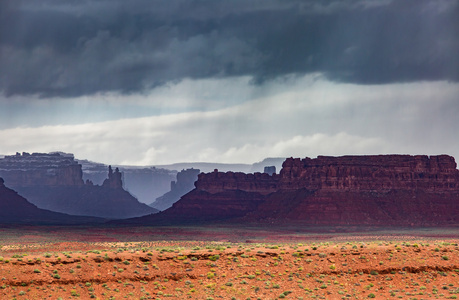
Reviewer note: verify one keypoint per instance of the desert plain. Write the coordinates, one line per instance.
(228, 263)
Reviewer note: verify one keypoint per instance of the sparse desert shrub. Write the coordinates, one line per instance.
(214, 257)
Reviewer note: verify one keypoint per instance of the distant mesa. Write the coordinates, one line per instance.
(15, 209)
(270, 170)
(271, 161)
(381, 190)
(184, 184)
(384, 190)
(144, 183)
(54, 182)
(37, 169)
(207, 167)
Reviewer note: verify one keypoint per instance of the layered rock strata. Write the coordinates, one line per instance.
(371, 173)
(216, 182)
(349, 190)
(38, 169)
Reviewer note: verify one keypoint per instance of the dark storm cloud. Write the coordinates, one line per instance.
(70, 48)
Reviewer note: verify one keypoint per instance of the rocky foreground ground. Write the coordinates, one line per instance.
(422, 269)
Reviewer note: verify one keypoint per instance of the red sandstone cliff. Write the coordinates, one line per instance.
(346, 173)
(215, 182)
(371, 190)
(371, 173)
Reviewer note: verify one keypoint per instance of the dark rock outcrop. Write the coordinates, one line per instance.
(383, 190)
(15, 209)
(270, 170)
(114, 179)
(184, 184)
(108, 201)
(54, 182)
(144, 183)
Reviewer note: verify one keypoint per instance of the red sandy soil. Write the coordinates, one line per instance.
(422, 269)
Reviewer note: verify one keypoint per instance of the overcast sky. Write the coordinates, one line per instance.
(146, 82)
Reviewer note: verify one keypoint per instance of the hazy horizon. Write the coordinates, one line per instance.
(156, 83)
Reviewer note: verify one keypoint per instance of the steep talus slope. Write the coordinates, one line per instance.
(396, 207)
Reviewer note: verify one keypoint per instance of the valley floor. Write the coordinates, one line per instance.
(343, 267)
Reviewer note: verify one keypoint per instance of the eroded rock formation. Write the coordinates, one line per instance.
(184, 184)
(371, 173)
(348, 190)
(15, 209)
(54, 182)
(144, 183)
(216, 182)
(114, 179)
